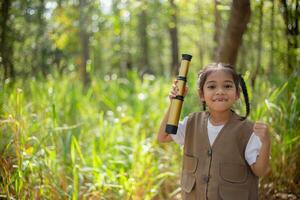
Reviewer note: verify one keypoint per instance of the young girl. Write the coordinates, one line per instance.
(224, 153)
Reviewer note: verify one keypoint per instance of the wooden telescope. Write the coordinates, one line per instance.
(176, 102)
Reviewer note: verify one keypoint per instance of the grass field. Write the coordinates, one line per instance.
(59, 140)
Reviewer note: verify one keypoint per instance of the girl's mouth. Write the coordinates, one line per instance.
(219, 100)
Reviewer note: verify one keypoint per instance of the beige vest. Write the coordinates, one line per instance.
(219, 171)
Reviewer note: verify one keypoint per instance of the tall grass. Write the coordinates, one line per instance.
(59, 140)
(280, 107)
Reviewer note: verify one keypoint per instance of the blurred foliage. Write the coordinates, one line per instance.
(45, 36)
(61, 140)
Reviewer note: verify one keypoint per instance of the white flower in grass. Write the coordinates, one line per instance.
(142, 96)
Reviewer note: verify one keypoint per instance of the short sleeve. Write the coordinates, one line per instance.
(252, 149)
(180, 135)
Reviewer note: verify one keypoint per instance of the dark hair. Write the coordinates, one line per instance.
(237, 79)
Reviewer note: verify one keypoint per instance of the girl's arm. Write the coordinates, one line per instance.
(261, 165)
(162, 136)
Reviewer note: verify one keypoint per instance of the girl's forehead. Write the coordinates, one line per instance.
(219, 75)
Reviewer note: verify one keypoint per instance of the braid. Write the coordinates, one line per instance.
(204, 105)
(245, 93)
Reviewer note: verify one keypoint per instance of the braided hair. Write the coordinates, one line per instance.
(238, 80)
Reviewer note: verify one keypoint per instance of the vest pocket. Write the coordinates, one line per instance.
(231, 193)
(190, 163)
(188, 178)
(188, 181)
(233, 173)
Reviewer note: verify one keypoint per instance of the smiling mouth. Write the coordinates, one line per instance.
(219, 100)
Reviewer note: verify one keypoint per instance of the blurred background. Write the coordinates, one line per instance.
(84, 86)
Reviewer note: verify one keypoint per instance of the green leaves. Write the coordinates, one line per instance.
(102, 142)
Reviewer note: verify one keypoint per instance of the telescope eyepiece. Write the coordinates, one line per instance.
(186, 57)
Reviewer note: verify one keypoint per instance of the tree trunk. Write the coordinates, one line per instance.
(217, 34)
(85, 41)
(40, 51)
(259, 44)
(6, 46)
(174, 39)
(292, 32)
(200, 43)
(232, 39)
(160, 47)
(144, 56)
(271, 59)
(117, 37)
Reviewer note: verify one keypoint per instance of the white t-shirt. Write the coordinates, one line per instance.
(252, 149)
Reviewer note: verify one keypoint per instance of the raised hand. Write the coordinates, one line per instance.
(261, 129)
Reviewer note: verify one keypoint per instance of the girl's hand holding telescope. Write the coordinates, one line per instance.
(162, 135)
(174, 91)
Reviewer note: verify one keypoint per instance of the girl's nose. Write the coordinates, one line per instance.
(220, 91)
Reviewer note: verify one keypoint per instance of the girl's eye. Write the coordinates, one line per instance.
(211, 87)
(228, 86)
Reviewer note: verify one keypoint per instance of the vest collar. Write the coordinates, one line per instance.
(231, 120)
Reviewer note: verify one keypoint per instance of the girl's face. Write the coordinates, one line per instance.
(219, 91)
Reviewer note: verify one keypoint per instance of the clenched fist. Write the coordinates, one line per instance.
(261, 129)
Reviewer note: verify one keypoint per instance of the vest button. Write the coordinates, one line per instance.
(209, 152)
(206, 179)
